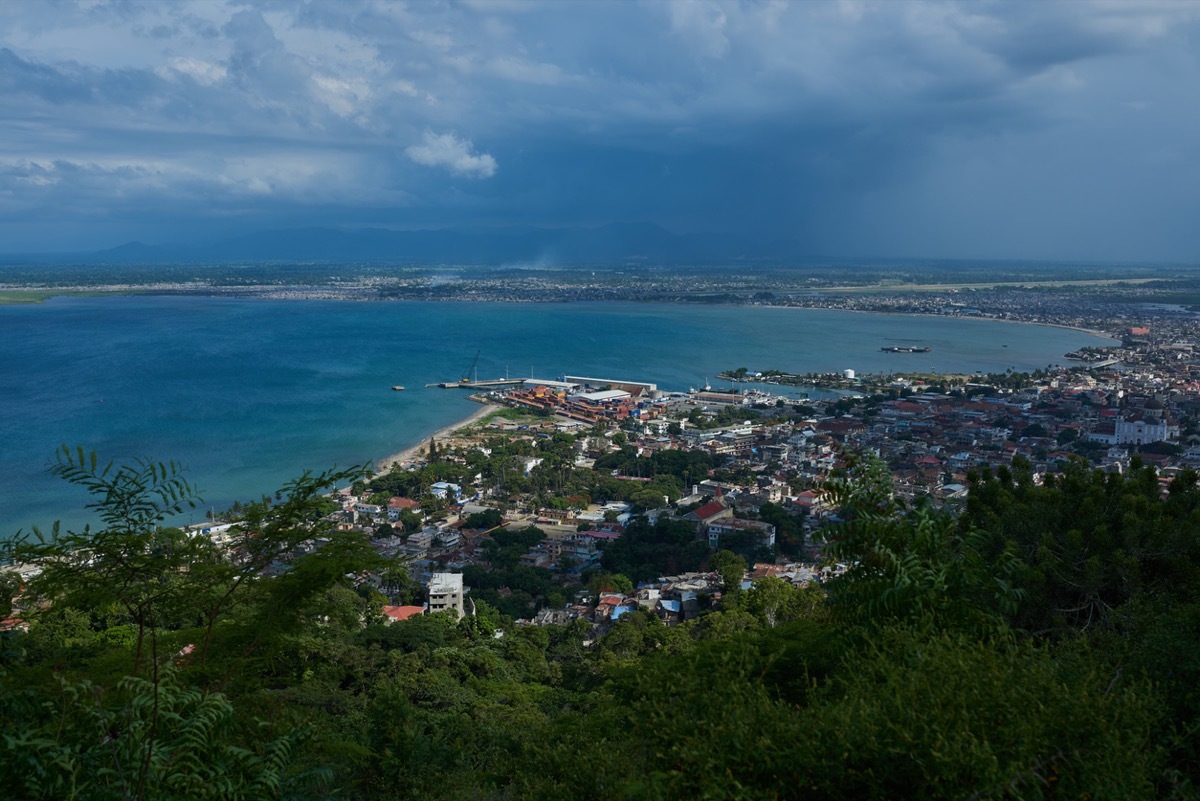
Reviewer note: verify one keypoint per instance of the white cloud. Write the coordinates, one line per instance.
(704, 23)
(302, 177)
(447, 150)
(524, 71)
(204, 72)
(346, 98)
(501, 6)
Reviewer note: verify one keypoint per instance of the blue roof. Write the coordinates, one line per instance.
(620, 610)
(671, 606)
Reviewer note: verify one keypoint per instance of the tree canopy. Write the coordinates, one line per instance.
(1043, 644)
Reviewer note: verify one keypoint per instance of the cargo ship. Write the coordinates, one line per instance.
(904, 349)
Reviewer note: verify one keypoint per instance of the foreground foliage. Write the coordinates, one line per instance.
(1042, 645)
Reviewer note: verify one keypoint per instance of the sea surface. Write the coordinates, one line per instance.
(250, 393)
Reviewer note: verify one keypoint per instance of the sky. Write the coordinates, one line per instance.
(859, 128)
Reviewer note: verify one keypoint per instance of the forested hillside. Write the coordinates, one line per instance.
(1045, 643)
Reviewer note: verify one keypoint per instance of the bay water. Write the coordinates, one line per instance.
(248, 393)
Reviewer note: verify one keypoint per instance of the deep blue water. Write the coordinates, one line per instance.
(250, 393)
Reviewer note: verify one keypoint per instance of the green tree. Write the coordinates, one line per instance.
(1067, 436)
(646, 551)
(731, 568)
(913, 564)
(162, 741)
(609, 582)
(400, 587)
(773, 601)
(1087, 542)
(151, 740)
(433, 506)
(132, 562)
(10, 587)
(487, 519)
(410, 521)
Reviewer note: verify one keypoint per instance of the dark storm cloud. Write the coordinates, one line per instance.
(907, 128)
(19, 77)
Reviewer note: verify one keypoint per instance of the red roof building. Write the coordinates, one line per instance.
(709, 511)
(403, 503)
(399, 613)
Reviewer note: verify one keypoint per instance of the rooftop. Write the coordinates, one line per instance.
(446, 583)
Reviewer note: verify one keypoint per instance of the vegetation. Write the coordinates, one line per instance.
(1044, 644)
(24, 295)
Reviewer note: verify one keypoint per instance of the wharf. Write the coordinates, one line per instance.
(495, 382)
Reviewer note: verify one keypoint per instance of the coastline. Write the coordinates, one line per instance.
(1092, 331)
(235, 425)
(11, 296)
(408, 454)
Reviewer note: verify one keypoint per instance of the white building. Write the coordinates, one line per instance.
(446, 593)
(764, 532)
(1137, 430)
(444, 489)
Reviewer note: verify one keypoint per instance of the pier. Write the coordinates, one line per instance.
(495, 382)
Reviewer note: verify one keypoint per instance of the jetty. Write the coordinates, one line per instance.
(485, 384)
(467, 383)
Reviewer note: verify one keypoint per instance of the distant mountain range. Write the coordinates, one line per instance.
(615, 242)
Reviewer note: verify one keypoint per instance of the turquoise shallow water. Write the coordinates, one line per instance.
(249, 393)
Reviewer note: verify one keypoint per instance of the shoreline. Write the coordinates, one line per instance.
(408, 454)
(1092, 331)
(40, 296)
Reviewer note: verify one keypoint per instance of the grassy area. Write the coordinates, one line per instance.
(508, 413)
(26, 295)
(512, 414)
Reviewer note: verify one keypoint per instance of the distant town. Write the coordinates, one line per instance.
(1108, 298)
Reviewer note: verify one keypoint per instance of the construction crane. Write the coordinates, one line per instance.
(466, 379)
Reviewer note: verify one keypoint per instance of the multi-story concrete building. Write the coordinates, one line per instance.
(446, 593)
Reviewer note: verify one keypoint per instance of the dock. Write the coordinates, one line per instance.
(492, 384)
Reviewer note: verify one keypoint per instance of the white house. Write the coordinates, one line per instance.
(444, 489)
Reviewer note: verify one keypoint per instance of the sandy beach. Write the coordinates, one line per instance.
(408, 454)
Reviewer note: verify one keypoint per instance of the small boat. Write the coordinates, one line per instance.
(398, 387)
